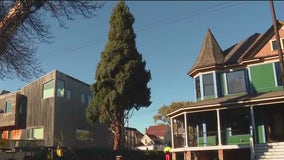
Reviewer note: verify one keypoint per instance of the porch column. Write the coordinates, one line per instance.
(172, 133)
(185, 130)
(253, 124)
(219, 127)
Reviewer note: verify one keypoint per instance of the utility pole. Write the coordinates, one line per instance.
(275, 22)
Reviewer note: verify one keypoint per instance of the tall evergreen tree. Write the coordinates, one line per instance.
(121, 78)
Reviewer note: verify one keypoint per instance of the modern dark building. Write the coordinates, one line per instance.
(50, 112)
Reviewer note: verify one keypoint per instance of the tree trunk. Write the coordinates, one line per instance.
(117, 137)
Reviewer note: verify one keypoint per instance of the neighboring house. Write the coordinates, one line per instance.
(239, 99)
(163, 132)
(156, 137)
(132, 138)
(50, 112)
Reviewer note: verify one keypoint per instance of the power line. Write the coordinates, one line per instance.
(159, 23)
(183, 17)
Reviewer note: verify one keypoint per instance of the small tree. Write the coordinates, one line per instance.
(121, 78)
(22, 24)
(166, 109)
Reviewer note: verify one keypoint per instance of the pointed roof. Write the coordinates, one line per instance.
(210, 54)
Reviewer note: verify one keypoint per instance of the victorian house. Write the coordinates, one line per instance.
(239, 108)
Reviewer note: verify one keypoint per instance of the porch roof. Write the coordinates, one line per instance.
(233, 101)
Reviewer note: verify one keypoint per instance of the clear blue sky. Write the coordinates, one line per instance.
(169, 36)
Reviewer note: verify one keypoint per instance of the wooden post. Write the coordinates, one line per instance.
(221, 154)
(187, 155)
(119, 157)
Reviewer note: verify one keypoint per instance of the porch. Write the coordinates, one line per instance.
(227, 129)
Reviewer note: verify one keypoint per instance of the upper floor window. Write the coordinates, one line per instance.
(83, 98)
(60, 88)
(8, 107)
(197, 88)
(68, 94)
(48, 89)
(278, 74)
(236, 82)
(274, 45)
(208, 84)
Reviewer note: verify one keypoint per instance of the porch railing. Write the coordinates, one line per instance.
(203, 139)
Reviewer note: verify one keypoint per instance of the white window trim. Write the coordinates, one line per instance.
(214, 83)
(281, 43)
(226, 82)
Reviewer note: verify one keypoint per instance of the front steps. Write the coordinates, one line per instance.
(269, 151)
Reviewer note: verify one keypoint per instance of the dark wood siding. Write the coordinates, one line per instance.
(15, 118)
(40, 111)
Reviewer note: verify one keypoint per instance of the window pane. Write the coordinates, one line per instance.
(60, 88)
(68, 94)
(48, 89)
(236, 82)
(82, 135)
(83, 98)
(208, 84)
(197, 87)
(8, 107)
(274, 45)
(278, 74)
(38, 133)
(29, 133)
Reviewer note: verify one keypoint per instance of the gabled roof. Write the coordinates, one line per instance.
(250, 54)
(159, 130)
(234, 54)
(210, 53)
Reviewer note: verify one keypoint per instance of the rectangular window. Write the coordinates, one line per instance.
(60, 88)
(82, 135)
(35, 133)
(208, 84)
(48, 89)
(274, 45)
(236, 82)
(8, 107)
(83, 98)
(278, 74)
(197, 88)
(68, 94)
